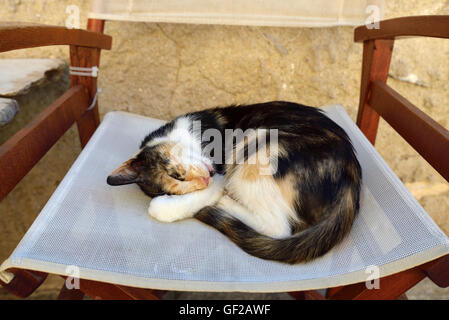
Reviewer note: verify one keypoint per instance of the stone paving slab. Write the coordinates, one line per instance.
(18, 76)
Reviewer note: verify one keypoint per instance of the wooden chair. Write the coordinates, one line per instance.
(19, 154)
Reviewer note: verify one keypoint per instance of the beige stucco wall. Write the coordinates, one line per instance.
(163, 70)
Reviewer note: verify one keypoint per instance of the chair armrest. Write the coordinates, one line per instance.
(16, 35)
(426, 26)
(25, 148)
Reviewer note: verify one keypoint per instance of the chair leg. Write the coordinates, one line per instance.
(307, 295)
(395, 286)
(106, 291)
(391, 287)
(86, 57)
(25, 282)
(159, 293)
(139, 293)
(438, 271)
(102, 291)
(70, 294)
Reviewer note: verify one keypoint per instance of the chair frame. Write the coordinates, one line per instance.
(21, 152)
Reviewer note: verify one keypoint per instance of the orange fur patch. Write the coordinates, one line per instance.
(286, 186)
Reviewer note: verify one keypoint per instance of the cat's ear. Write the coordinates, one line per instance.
(125, 174)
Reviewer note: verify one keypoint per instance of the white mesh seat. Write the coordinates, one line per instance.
(106, 232)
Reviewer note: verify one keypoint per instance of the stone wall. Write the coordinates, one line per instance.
(164, 70)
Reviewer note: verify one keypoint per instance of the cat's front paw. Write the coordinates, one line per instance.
(160, 209)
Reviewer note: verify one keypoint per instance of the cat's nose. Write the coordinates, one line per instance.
(210, 169)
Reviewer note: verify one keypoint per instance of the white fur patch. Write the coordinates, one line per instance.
(259, 204)
(179, 134)
(188, 144)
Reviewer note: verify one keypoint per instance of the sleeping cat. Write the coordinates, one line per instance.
(291, 205)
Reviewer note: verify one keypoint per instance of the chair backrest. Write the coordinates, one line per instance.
(285, 13)
(425, 135)
(22, 151)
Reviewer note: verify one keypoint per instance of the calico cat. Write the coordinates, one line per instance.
(297, 210)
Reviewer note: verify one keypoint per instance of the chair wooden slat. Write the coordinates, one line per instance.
(423, 133)
(21, 36)
(376, 63)
(22, 151)
(426, 26)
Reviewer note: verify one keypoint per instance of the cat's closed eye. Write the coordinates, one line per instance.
(176, 171)
(176, 175)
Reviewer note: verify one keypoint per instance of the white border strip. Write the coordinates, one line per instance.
(227, 286)
(222, 19)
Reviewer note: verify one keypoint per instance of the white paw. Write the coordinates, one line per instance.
(160, 209)
(169, 208)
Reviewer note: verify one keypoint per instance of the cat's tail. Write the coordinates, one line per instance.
(302, 246)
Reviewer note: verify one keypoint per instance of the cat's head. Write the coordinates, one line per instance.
(164, 168)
